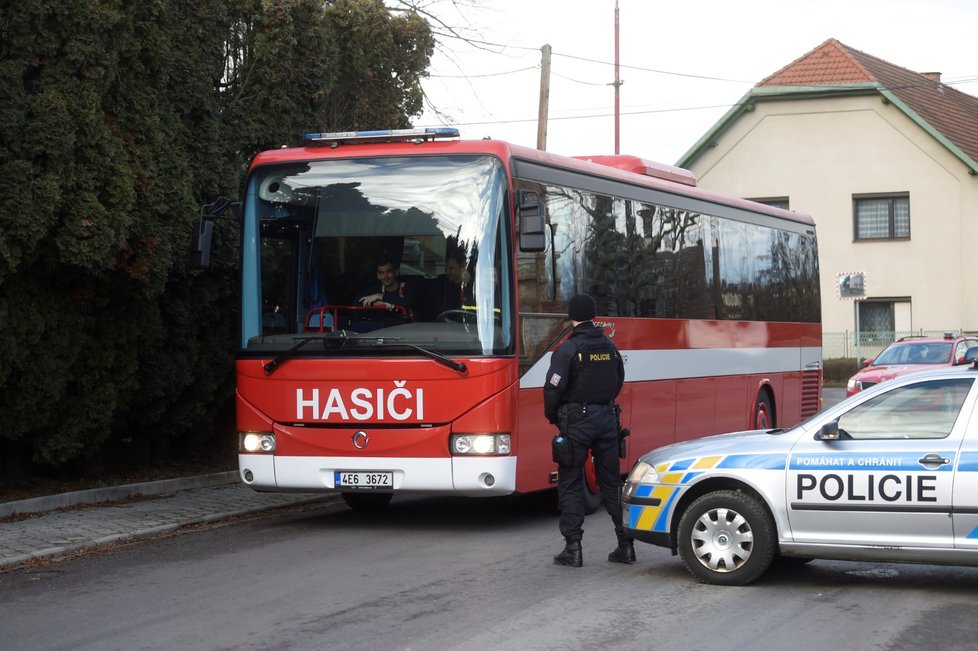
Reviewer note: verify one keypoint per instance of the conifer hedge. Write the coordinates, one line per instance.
(118, 120)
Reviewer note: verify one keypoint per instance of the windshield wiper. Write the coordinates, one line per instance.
(441, 359)
(281, 357)
(341, 338)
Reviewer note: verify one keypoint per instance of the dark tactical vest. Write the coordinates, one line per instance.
(594, 378)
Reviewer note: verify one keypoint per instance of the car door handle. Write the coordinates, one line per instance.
(933, 460)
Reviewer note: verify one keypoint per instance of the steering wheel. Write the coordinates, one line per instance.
(456, 316)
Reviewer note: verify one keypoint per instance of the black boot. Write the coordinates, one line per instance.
(624, 552)
(571, 555)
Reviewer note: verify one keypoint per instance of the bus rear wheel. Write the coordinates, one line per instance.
(763, 412)
(362, 501)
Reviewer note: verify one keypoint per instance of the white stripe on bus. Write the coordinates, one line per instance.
(645, 365)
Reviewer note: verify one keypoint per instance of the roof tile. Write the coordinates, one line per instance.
(952, 113)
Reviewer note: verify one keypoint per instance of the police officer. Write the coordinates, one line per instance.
(586, 373)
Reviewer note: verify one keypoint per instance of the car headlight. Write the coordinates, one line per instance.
(480, 444)
(643, 473)
(851, 384)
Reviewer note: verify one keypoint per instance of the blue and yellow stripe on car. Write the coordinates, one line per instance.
(650, 504)
(652, 515)
(684, 470)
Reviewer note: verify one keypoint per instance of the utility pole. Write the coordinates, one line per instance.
(544, 98)
(617, 85)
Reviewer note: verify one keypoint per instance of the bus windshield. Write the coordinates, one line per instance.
(378, 251)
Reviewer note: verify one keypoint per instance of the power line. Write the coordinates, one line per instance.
(486, 43)
(580, 117)
(661, 72)
(579, 81)
(488, 74)
(598, 61)
(950, 81)
(959, 80)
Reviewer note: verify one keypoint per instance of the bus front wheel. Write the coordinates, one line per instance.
(592, 492)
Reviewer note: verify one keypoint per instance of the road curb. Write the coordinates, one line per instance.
(59, 551)
(115, 493)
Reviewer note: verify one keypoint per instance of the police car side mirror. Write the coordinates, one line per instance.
(828, 432)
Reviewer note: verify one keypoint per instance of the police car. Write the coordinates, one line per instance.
(890, 474)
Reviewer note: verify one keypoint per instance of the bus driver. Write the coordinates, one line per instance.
(391, 291)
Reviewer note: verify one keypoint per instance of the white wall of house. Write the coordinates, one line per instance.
(819, 153)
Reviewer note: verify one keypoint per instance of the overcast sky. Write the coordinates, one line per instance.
(682, 64)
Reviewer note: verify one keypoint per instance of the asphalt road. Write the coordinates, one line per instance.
(832, 397)
(454, 573)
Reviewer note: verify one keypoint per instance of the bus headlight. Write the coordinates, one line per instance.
(480, 444)
(259, 442)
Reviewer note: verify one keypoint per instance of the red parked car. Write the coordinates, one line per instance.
(909, 354)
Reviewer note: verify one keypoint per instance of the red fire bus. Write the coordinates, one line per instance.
(437, 388)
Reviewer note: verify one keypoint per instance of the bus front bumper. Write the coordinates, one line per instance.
(468, 476)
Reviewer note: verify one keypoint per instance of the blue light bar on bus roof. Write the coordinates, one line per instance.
(383, 135)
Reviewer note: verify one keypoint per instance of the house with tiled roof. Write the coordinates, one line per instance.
(885, 159)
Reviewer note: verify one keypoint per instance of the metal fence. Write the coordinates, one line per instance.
(843, 344)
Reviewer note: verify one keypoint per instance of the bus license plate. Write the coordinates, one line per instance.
(347, 479)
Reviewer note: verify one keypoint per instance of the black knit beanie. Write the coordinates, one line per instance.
(581, 308)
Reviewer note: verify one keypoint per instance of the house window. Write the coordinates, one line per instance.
(876, 316)
(881, 217)
(883, 320)
(774, 202)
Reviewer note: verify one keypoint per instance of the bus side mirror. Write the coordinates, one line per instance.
(200, 240)
(200, 244)
(532, 217)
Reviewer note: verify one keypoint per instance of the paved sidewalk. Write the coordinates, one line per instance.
(89, 521)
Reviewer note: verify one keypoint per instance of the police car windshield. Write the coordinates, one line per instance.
(414, 248)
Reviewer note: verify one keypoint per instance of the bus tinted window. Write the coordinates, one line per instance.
(642, 259)
(645, 260)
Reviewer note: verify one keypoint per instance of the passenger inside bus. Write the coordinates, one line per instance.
(448, 291)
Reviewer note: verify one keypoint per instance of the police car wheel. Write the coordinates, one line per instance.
(362, 501)
(726, 538)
